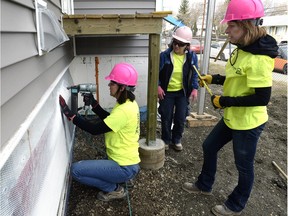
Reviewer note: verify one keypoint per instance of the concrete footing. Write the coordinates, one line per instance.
(195, 120)
(152, 155)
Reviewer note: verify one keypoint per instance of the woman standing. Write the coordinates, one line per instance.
(177, 82)
(246, 93)
(121, 128)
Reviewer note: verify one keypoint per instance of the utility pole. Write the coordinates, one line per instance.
(207, 45)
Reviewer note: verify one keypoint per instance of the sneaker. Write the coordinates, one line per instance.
(128, 185)
(192, 188)
(178, 147)
(117, 194)
(222, 210)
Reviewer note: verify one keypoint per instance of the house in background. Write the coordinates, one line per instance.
(39, 62)
(277, 26)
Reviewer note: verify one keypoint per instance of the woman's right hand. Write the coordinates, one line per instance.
(88, 98)
(161, 93)
(205, 78)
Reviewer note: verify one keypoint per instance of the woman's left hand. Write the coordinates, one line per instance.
(194, 95)
(65, 109)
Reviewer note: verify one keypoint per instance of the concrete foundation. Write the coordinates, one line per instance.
(153, 155)
(195, 120)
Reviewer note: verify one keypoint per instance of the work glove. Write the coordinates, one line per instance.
(161, 93)
(65, 109)
(206, 78)
(194, 95)
(215, 99)
(88, 98)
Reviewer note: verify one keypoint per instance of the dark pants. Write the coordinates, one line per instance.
(244, 149)
(173, 108)
(103, 174)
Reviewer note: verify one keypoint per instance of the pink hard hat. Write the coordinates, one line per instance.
(183, 34)
(243, 10)
(123, 73)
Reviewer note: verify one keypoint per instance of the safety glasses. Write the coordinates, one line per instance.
(180, 44)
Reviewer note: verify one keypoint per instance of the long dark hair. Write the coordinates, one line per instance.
(124, 95)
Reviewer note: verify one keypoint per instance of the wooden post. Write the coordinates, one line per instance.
(153, 72)
(97, 77)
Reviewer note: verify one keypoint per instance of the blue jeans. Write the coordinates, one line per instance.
(244, 149)
(173, 108)
(103, 174)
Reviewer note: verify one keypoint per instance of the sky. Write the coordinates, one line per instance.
(174, 5)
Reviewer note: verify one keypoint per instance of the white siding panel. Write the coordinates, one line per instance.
(17, 47)
(22, 22)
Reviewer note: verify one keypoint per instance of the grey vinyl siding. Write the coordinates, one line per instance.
(120, 45)
(110, 44)
(17, 47)
(113, 7)
(25, 76)
(24, 3)
(22, 22)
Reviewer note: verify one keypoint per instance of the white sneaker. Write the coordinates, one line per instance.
(120, 193)
(222, 210)
(178, 147)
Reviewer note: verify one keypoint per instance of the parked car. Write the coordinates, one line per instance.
(196, 46)
(284, 42)
(280, 64)
(216, 47)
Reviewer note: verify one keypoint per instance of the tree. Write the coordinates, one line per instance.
(219, 14)
(196, 16)
(184, 13)
(274, 8)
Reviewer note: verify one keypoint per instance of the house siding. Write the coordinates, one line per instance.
(277, 26)
(114, 7)
(32, 132)
(20, 63)
(137, 44)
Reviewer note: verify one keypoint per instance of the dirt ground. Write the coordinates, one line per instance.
(158, 192)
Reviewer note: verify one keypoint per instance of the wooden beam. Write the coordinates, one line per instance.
(153, 73)
(113, 24)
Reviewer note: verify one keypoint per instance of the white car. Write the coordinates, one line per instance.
(216, 47)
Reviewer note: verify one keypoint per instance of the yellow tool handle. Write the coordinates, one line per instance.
(279, 169)
(222, 48)
(206, 86)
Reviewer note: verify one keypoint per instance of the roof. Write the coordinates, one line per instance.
(172, 20)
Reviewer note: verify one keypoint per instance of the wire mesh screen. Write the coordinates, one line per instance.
(35, 164)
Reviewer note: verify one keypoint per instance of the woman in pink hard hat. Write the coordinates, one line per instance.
(177, 83)
(246, 93)
(121, 128)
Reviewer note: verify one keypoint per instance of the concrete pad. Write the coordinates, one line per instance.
(152, 155)
(195, 120)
